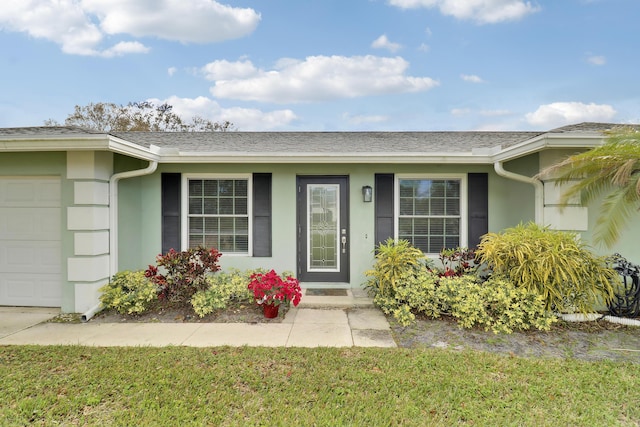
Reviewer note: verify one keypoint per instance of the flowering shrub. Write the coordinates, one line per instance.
(128, 292)
(185, 272)
(225, 288)
(271, 288)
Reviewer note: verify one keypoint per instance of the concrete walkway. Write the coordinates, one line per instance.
(309, 325)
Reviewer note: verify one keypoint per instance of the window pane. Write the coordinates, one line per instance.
(195, 225)
(436, 244)
(226, 226)
(437, 206)
(210, 188)
(195, 206)
(242, 244)
(452, 207)
(240, 188)
(436, 226)
(211, 225)
(211, 241)
(437, 189)
(406, 206)
(452, 242)
(225, 187)
(241, 206)
(405, 226)
(453, 188)
(422, 206)
(452, 226)
(242, 225)
(195, 240)
(406, 188)
(226, 206)
(210, 206)
(195, 188)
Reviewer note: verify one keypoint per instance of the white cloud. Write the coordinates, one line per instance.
(480, 11)
(318, 78)
(171, 71)
(124, 48)
(188, 21)
(597, 60)
(383, 42)
(563, 113)
(471, 78)
(80, 26)
(244, 119)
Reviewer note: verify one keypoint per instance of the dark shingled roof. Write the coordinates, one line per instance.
(327, 142)
(50, 131)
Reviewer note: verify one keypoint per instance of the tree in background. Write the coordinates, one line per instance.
(611, 170)
(137, 116)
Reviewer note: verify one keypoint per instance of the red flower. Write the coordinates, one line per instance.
(271, 288)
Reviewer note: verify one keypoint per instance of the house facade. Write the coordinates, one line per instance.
(78, 206)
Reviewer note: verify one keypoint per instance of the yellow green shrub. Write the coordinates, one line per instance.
(128, 292)
(497, 304)
(224, 288)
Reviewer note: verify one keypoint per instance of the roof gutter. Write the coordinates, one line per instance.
(537, 185)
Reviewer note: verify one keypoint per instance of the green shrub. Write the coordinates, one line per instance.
(224, 289)
(395, 261)
(555, 264)
(497, 304)
(128, 292)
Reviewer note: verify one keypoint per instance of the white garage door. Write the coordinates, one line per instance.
(30, 257)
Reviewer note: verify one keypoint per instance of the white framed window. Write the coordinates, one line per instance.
(216, 212)
(431, 211)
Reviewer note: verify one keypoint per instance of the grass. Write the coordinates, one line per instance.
(295, 386)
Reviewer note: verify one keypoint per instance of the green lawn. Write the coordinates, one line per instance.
(179, 386)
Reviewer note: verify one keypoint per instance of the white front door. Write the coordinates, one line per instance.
(30, 241)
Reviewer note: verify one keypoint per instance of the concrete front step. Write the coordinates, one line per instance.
(356, 298)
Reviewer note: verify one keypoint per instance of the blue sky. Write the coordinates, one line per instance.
(329, 65)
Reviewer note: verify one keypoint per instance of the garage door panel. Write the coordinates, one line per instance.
(29, 192)
(30, 246)
(30, 289)
(35, 257)
(30, 224)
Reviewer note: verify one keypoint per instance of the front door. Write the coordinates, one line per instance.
(323, 229)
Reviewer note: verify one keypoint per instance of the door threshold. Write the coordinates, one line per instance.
(325, 285)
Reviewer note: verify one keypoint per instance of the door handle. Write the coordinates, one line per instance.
(344, 244)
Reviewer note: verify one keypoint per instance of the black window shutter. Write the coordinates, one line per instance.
(261, 214)
(478, 207)
(171, 184)
(383, 194)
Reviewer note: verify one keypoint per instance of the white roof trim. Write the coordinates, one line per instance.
(105, 142)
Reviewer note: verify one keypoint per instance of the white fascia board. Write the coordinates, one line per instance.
(97, 142)
(55, 143)
(122, 146)
(541, 142)
(408, 158)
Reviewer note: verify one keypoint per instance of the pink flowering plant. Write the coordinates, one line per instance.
(271, 288)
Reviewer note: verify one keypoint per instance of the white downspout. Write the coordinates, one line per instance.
(113, 223)
(537, 185)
